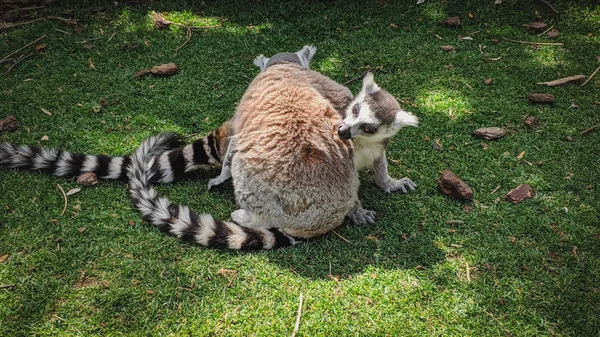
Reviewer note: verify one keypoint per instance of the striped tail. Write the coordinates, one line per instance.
(182, 222)
(169, 165)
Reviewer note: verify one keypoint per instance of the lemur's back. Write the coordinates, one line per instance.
(290, 154)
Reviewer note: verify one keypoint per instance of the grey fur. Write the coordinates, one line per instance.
(301, 57)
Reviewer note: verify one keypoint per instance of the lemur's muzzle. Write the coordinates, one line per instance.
(344, 131)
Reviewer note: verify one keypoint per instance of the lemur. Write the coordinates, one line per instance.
(292, 161)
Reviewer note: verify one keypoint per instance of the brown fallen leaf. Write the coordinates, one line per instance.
(3, 258)
(87, 179)
(437, 146)
(44, 138)
(537, 27)
(495, 41)
(141, 73)
(92, 66)
(103, 101)
(164, 69)
(87, 46)
(489, 133)
(521, 155)
(520, 193)
(82, 229)
(40, 46)
(149, 291)
(226, 272)
(452, 22)
(393, 25)
(159, 21)
(447, 48)
(131, 223)
(8, 124)
(450, 185)
(489, 81)
(541, 98)
(564, 80)
(46, 112)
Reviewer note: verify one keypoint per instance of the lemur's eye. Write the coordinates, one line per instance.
(369, 129)
(355, 110)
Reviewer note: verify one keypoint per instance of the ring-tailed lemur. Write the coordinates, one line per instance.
(293, 169)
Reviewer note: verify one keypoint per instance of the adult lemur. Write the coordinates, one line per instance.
(291, 159)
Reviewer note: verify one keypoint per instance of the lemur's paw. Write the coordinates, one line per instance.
(361, 216)
(215, 182)
(403, 185)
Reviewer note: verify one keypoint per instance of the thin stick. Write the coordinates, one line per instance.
(546, 31)
(354, 79)
(21, 59)
(592, 75)
(115, 33)
(7, 286)
(540, 43)
(297, 325)
(495, 189)
(549, 5)
(9, 25)
(92, 39)
(25, 46)
(69, 21)
(189, 36)
(590, 129)
(341, 237)
(65, 197)
(62, 31)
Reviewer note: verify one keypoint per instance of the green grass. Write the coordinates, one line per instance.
(534, 266)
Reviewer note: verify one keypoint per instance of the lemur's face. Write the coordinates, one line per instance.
(374, 114)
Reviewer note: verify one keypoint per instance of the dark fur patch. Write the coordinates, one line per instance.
(220, 237)
(177, 162)
(125, 167)
(254, 241)
(281, 240)
(76, 163)
(103, 162)
(213, 147)
(200, 156)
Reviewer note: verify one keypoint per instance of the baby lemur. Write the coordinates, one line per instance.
(291, 157)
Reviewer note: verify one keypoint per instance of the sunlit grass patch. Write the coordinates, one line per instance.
(451, 103)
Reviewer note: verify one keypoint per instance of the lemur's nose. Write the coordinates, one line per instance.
(344, 131)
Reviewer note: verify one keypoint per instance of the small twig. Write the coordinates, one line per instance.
(92, 39)
(62, 31)
(69, 21)
(485, 57)
(549, 5)
(19, 60)
(6, 60)
(9, 25)
(495, 189)
(189, 36)
(65, 197)
(115, 33)
(590, 129)
(7, 286)
(355, 79)
(563, 80)
(341, 237)
(539, 43)
(546, 31)
(297, 325)
(25, 46)
(592, 75)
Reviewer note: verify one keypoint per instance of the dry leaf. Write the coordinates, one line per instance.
(564, 80)
(489, 133)
(447, 48)
(537, 26)
(87, 46)
(46, 112)
(40, 46)
(149, 291)
(73, 191)
(44, 138)
(541, 98)
(82, 229)
(453, 22)
(8, 124)
(92, 66)
(393, 25)
(489, 81)
(553, 34)
(87, 179)
(3, 258)
(521, 155)
(226, 272)
(520, 193)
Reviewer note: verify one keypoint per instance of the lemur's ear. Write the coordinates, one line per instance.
(306, 54)
(369, 86)
(261, 62)
(405, 118)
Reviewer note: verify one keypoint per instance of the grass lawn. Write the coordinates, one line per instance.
(527, 269)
